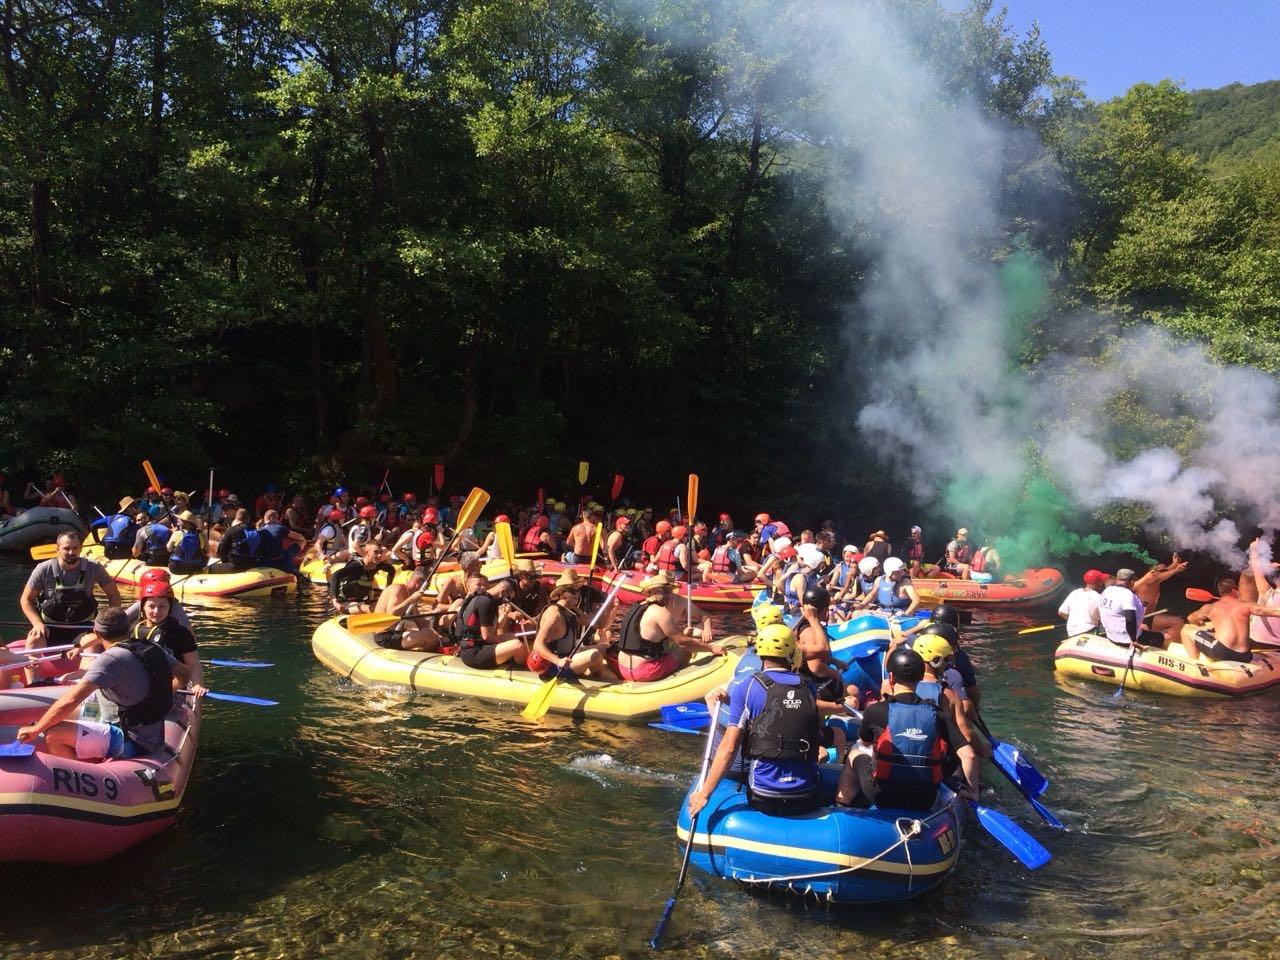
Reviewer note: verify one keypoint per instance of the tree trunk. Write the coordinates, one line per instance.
(371, 315)
(41, 299)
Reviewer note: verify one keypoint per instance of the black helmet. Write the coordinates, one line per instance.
(944, 630)
(946, 613)
(905, 665)
(817, 597)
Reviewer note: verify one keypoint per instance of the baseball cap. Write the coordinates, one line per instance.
(1095, 576)
(1124, 573)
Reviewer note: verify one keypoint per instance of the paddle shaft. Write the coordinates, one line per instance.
(693, 832)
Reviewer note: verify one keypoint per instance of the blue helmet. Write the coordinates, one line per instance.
(340, 491)
(273, 488)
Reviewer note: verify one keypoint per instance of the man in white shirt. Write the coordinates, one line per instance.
(1080, 608)
(1121, 614)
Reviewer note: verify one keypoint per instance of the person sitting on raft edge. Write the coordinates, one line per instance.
(782, 745)
(642, 653)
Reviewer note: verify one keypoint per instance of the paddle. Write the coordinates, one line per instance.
(471, 508)
(1054, 626)
(17, 749)
(1016, 840)
(154, 480)
(583, 468)
(595, 553)
(254, 664)
(1020, 772)
(1200, 596)
(44, 551)
(506, 542)
(693, 833)
(1119, 694)
(616, 490)
(236, 698)
(676, 728)
(538, 706)
(52, 626)
(691, 506)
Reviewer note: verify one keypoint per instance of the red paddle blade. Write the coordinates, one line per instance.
(617, 486)
(439, 475)
(542, 497)
(1198, 595)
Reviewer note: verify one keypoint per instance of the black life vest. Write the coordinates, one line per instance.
(787, 727)
(246, 546)
(564, 646)
(629, 638)
(466, 625)
(156, 546)
(157, 634)
(356, 589)
(159, 699)
(69, 602)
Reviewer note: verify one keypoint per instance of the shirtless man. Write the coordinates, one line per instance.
(1147, 588)
(1228, 617)
(454, 586)
(580, 536)
(556, 646)
(413, 632)
(648, 628)
(1263, 631)
(617, 548)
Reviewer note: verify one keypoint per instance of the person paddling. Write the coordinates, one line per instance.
(61, 590)
(1227, 623)
(137, 680)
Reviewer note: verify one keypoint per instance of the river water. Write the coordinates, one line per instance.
(350, 822)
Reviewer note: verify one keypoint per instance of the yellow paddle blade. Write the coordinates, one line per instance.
(151, 474)
(595, 545)
(1051, 626)
(506, 544)
(691, 506)
(45, 551)
(371, 622)
(537, 707)
(583, 466)
(472, 507)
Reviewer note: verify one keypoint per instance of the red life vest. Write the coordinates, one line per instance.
(720, 560)
(979, 562)
(666, 559)
(916, 551)
(650, 546)
(532, 541)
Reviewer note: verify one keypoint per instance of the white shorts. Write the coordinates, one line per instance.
(96, 740)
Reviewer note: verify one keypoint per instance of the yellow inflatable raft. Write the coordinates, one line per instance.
(1173, 671)
(358, 657)
(313, 570)
(258, 582)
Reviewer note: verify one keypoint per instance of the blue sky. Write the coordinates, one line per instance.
(1113, 45)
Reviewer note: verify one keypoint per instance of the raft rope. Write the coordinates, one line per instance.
(911, 830)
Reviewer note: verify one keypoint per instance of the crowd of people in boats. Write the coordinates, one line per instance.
(912, 732)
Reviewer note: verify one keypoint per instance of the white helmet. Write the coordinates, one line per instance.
(778, 544)
(810, 554)
(893, 565)
(867, 566)
(849, 548)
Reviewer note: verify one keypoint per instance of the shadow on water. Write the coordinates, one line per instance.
(355, 822)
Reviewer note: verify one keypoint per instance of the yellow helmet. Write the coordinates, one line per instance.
(933, 649)
(766, 613)
(777, 641)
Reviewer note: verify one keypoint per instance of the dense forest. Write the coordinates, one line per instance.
(307, 240)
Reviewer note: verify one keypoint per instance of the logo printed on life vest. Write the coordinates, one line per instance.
(914, 733)
(790, 702)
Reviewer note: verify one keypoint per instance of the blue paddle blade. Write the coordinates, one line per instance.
(676, 728)
(1016, 840)
(662, 924)
(864, 649)
(1018, 769)
(1046, 814)
(685, 712)
(16, 749)
(240, 698)
(255, 664)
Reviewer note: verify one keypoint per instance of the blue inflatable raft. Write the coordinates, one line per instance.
(836, 854)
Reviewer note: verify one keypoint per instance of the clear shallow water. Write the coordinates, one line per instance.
(362, 823)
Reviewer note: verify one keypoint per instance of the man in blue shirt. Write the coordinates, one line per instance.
(774, 717)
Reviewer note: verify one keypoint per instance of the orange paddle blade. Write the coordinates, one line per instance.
(151, 475)
(371, 622)
(1200, 596)
(691, 507)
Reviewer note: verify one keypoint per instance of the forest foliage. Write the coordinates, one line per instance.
(311, 239)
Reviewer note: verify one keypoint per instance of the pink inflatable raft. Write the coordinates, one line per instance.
(54, 810)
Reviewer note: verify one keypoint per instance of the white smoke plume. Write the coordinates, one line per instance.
(916, 174)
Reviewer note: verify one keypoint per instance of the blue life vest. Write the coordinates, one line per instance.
(121, 530)
(272, 538)
(248, 547)
(929, 690)
(843, 572)
(158, 536)
(788, 581)
(188, 549)
(887, 594)
(909, 751)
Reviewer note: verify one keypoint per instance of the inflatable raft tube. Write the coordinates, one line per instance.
(1173, 672)
(257, 582)
(836, 854)
(358, 657)
(38, 525)
(711, 597)
(54, 810)
(1033, 586)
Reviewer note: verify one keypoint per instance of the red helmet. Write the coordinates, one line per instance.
(166, 489)
(431, 515)
(384, 497)
(622, 523)
(725, 516)
(368, 512)
(149, 490)
(337, 513)
(425, 539)
(153, 575)
(224, 492)
(502, 518)
(542, 521)
(679, 532)
(762, 518)
(661, 527)
(362, 501)
(409, 496)
(155, 588)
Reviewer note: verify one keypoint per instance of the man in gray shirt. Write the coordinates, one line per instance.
(135, 681)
